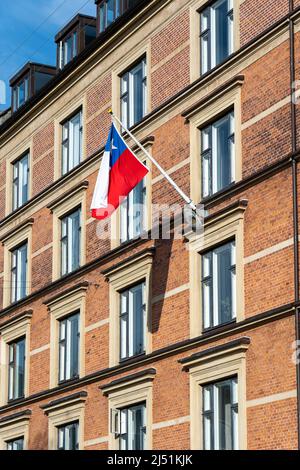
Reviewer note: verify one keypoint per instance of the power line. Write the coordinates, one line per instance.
(40, 25)
(33, 32)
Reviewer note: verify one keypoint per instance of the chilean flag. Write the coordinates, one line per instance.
(119, 174)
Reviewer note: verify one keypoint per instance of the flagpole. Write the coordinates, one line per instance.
(187, 199)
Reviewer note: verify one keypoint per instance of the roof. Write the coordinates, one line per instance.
(72, 23)
(27, 67)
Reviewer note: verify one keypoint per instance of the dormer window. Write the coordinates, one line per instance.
(68, 49)
(21, 93)
(28, 81)
(74, 37)
(110, 10)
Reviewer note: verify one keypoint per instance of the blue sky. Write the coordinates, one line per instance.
(27, 30)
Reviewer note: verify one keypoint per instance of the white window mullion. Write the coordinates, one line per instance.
(130, 323)
(68, 350)
(230, 28)
(232, 147)
(215, 289)
(214, 163)
(213, 38)
(70, 244)
(123, 429)
(131, 430)
(233, 279)
(216, 418)
(19, 274)
(130, 215)
(131, 98)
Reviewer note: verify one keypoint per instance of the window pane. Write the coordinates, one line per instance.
(224, 283)
(74, 50)
(16, 376)
(138, 322)
(70, 242)
(205, 51)
(133, 94)
(220, 423)
(16, 444)
(72, 143)
(74, 346)
(138, 94)
(62, 352)
(90, 34)
(221, 31)
(110, 12)
(20, 182)
(132, 321)
(133, 428)
(225, 424)
(132, 213)
(19, 273)
(102, 17)
(218, 155)
(68, 437)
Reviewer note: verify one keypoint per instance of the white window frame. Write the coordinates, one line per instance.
(127, 93)
(66, 346)
(18, 175)
(124, 425)
(18, 291)
(210, 153)
(13, 331)
(217, 366)
(62, 431)
(121, 278)
(127, 315)
(211, 407)
(15, 428)
(128, 394)
(210, 275)
(68, 148)
(60, 308)
(66, 242)
(210, 31)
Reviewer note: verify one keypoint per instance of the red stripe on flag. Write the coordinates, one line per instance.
(125, 175)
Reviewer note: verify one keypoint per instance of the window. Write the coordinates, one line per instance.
(71, 142)
(90, 34)
(134, 94)
(70, 242)
(218, 155)
(68, 437)
(69, 338)
(109, 11)
(20, 181)
(133, 213)
(16, 444)
(19, 273)
(219, 285)
(68, 49)
(132, 321)
(16, 369)
(131, 423)
(20, 93)
(220, 415)
(216, 34)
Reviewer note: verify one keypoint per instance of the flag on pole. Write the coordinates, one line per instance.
(120, 172)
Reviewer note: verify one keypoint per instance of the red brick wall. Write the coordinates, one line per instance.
(258, 15)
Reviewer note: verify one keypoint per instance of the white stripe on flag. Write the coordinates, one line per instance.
(100, 198)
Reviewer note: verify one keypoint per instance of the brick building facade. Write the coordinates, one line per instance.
(197, 360)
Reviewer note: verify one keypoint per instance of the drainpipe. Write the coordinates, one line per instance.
(295, 202)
